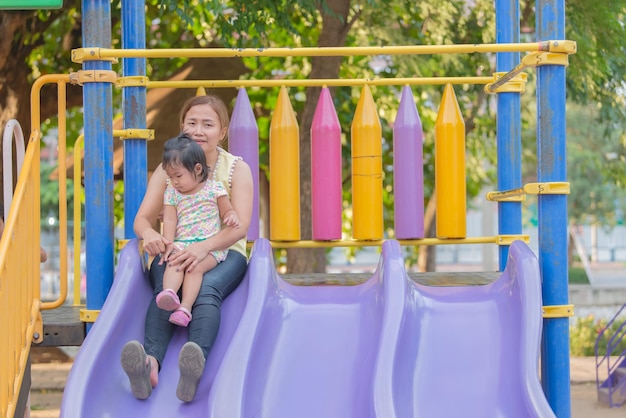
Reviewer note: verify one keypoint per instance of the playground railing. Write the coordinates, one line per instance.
(19, 281)
(611, 355)
(20, 273)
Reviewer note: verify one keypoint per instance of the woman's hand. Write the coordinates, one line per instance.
(187, 259)
(154, 243)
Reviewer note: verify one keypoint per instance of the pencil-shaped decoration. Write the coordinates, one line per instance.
(450, 168)
(243, 140)
(284, 172)
(326, 170)
(367, 170)
(408, 170)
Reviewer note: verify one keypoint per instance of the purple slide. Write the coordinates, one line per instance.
(385, 348)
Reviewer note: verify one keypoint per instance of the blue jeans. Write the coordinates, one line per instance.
(216, 285)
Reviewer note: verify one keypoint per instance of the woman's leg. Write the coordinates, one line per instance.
(158, 329)
(217, 284)
(193, 281)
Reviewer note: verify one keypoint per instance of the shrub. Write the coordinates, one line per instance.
(578, 275)
(585, 331)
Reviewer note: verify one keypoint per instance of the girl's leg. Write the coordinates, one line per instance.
(193, 281)
(217, 284)
(172, 279)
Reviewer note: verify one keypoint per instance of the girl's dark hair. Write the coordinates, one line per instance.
(182, 151)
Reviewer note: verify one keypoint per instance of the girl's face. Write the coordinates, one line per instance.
(184, 181)
(202, 124)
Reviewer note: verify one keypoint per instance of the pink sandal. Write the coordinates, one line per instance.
(168, 300)
(181, 317)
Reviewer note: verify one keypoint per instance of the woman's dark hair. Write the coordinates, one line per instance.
(182, 151)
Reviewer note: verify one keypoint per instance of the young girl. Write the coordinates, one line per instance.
(192, 208)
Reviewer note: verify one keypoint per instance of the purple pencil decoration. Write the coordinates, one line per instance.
(408, 172)
(244, 141)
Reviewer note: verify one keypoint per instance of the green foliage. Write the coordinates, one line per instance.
(243, 23)
(577, 275)
(596, 76)
(585, 331)
(50, 193)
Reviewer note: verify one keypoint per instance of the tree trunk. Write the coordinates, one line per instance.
(427, 255)
(335, 28)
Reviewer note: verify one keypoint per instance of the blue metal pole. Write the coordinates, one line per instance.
(134, 105)
(98, 133)
(509, 130)
(552, 211)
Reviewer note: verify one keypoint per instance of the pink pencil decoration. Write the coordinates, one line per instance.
(326, 170)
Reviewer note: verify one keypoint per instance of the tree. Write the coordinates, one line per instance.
(595, 76)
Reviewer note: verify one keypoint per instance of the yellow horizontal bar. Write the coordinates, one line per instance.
(319, 82)
(134, 133)
(89, 315)
(132, 81)
(497, 239)
(95, 54)
(558, 311)
(514, 195)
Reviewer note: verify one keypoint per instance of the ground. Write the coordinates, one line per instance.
(51, 366)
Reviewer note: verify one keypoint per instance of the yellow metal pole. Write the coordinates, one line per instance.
(318, 82)
(78, 147)
(450, 168)
(367, 170)
(100, 54)
(285, 171)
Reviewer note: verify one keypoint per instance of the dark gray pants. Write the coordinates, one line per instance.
(216, 285)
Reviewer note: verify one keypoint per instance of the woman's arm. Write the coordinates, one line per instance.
(146, 219)
(241, 195)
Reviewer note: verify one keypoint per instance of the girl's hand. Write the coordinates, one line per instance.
(154, 243)
(187, 259)
(232, 219)
(169, 250)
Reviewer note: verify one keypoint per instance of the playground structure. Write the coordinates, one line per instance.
(397, 331)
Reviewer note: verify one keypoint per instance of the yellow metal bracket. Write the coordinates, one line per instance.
(554, 187)
(516, 84)
(134, 133)
(132, 81)
(89, 54)
(519, 195)
(508, 239)
(558, 311)
(89, 315)
(537, 59)
(534, 59)
(92, 76)
(562, 46)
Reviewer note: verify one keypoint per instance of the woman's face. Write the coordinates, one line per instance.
(202, 125)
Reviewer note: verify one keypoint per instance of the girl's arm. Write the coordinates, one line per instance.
(170, 220)
(148, 214)
(227, 213)
(241, 195)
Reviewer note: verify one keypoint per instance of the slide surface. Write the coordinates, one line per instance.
(388, 347)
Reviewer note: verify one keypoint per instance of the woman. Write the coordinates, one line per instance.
(205, 120)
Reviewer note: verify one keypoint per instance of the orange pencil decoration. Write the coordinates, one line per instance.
(367, 170)
(285, 171)
(450, 168)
